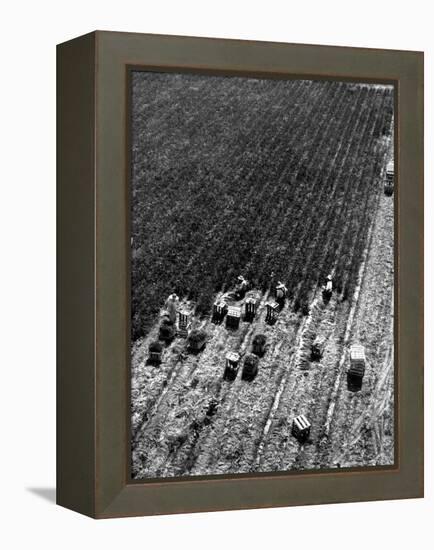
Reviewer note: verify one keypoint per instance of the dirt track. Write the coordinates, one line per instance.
(362, 429)
(186, 420)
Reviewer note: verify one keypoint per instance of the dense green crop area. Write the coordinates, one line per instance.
(244, 176)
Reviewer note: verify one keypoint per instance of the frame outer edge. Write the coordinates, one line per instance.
(114, 495)
(75, 408)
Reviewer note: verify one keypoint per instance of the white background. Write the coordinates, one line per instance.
(29, 33)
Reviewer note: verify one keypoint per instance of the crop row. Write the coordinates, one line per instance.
(235, 175)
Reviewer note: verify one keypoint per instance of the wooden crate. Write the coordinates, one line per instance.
(258, 345)
(219, 310)
(250, 367)
(233, 317)
(232, 365)
(357, 358)
(301, 427)
(317, 349)
(272, 312)
(196, 340)
(184, 323)
(357, 367)
(250, 308)
(155, 356)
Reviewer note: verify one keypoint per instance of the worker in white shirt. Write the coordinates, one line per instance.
(329, 284)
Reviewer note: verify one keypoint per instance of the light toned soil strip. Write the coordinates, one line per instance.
(211, 440)
(235, 448)
(306, 393)
(341, 368)
(373, 328)
(373, 416)
(225, 396)
(295, 359)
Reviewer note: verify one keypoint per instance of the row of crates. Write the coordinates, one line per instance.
(197, 339)
(250, 366)
(233, 313)
(355, 372)
(251, 362)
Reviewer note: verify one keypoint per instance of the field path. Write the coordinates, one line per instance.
(361, 431)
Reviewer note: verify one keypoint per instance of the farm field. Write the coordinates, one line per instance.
(276, 181)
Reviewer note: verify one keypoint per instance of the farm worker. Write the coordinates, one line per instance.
(171, 306)
(281, 286)
(329, 283)
(242, 281)
(281, 290)
(173, 298)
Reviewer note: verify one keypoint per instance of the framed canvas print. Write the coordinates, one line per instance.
(240, 274)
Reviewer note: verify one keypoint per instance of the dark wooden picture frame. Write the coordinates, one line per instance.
(93, 267)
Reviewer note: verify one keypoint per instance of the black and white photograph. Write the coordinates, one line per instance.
(216, 236)
(262, 274)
